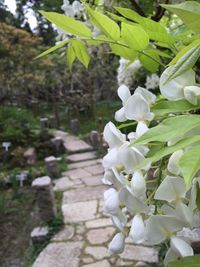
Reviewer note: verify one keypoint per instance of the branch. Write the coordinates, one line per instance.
(137, 8)
(159, 12)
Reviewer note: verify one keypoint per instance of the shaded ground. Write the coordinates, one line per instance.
(16, 223)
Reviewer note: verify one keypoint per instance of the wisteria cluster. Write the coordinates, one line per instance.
(127, 72)
(166, 212)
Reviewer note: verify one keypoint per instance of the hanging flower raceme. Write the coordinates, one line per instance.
(144, 214)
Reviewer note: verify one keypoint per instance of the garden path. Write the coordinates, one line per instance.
(87, 232)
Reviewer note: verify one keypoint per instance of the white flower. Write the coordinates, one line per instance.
(138, 185)
(173, 163)
(152, 81)
(171, 189)
(148, 96)
(179, 248)
(130, 157)
(113, 136)
(117, 244)
(174, 89)
(124, 94)
(127, 72)
(137, 108)
(191, 93)
(133, 204)
(111, 201)
(160, 227)
(137, 231)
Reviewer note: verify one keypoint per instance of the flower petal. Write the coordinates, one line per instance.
(160, 227)
(173, 89)
(120, 115)
(148, 96)
(117, 244)
(137, 231)
(173, 163)
(191, 93)
(181, 247)
(123, 93)
(138, 185)
(113, 136)
(137, 108)
(133, 204)
(171, 189)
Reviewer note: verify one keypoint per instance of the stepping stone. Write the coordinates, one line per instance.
(95, 169)
(82, 164)
(93, 180)
(62, 184)
(65, 234)
(75, 145)
(103, 263)
(76, 173)
(60, 255)
(79, 211)
(140, 253)
(81, 156)
(99, 223)
(84, 194)
(100, 236)
(98, 252)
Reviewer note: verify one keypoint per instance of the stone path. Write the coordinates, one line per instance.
(87, 232)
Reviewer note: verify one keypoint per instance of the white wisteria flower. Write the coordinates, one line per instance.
(180, 87)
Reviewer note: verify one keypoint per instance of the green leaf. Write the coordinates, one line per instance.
(104, 23)
(198, 196)
(81, 52)
(164, 107)
(169, 129)
(52, 49)
(184, 63)
(150, 60)
(184, 51)
(190, 164)
(124, 52)
(68, 24)
(134, 36)
(158, 154)
(192, 261)
(71, 56)
(189, 12)
(154, 29)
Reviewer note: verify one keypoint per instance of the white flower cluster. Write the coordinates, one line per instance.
(146, 215)
(152, 81)
(126, 72)
(74, 10)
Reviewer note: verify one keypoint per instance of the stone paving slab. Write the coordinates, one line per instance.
(140, 253)
(62, 184)
(95, 169)
(82, 164)
(74, 158)
(103, 263)
(93, 180)
(102, 222)
(79, 211)
(76, 174)
(100, 235)
(60, 255)
(84, 194)
(75, 145)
